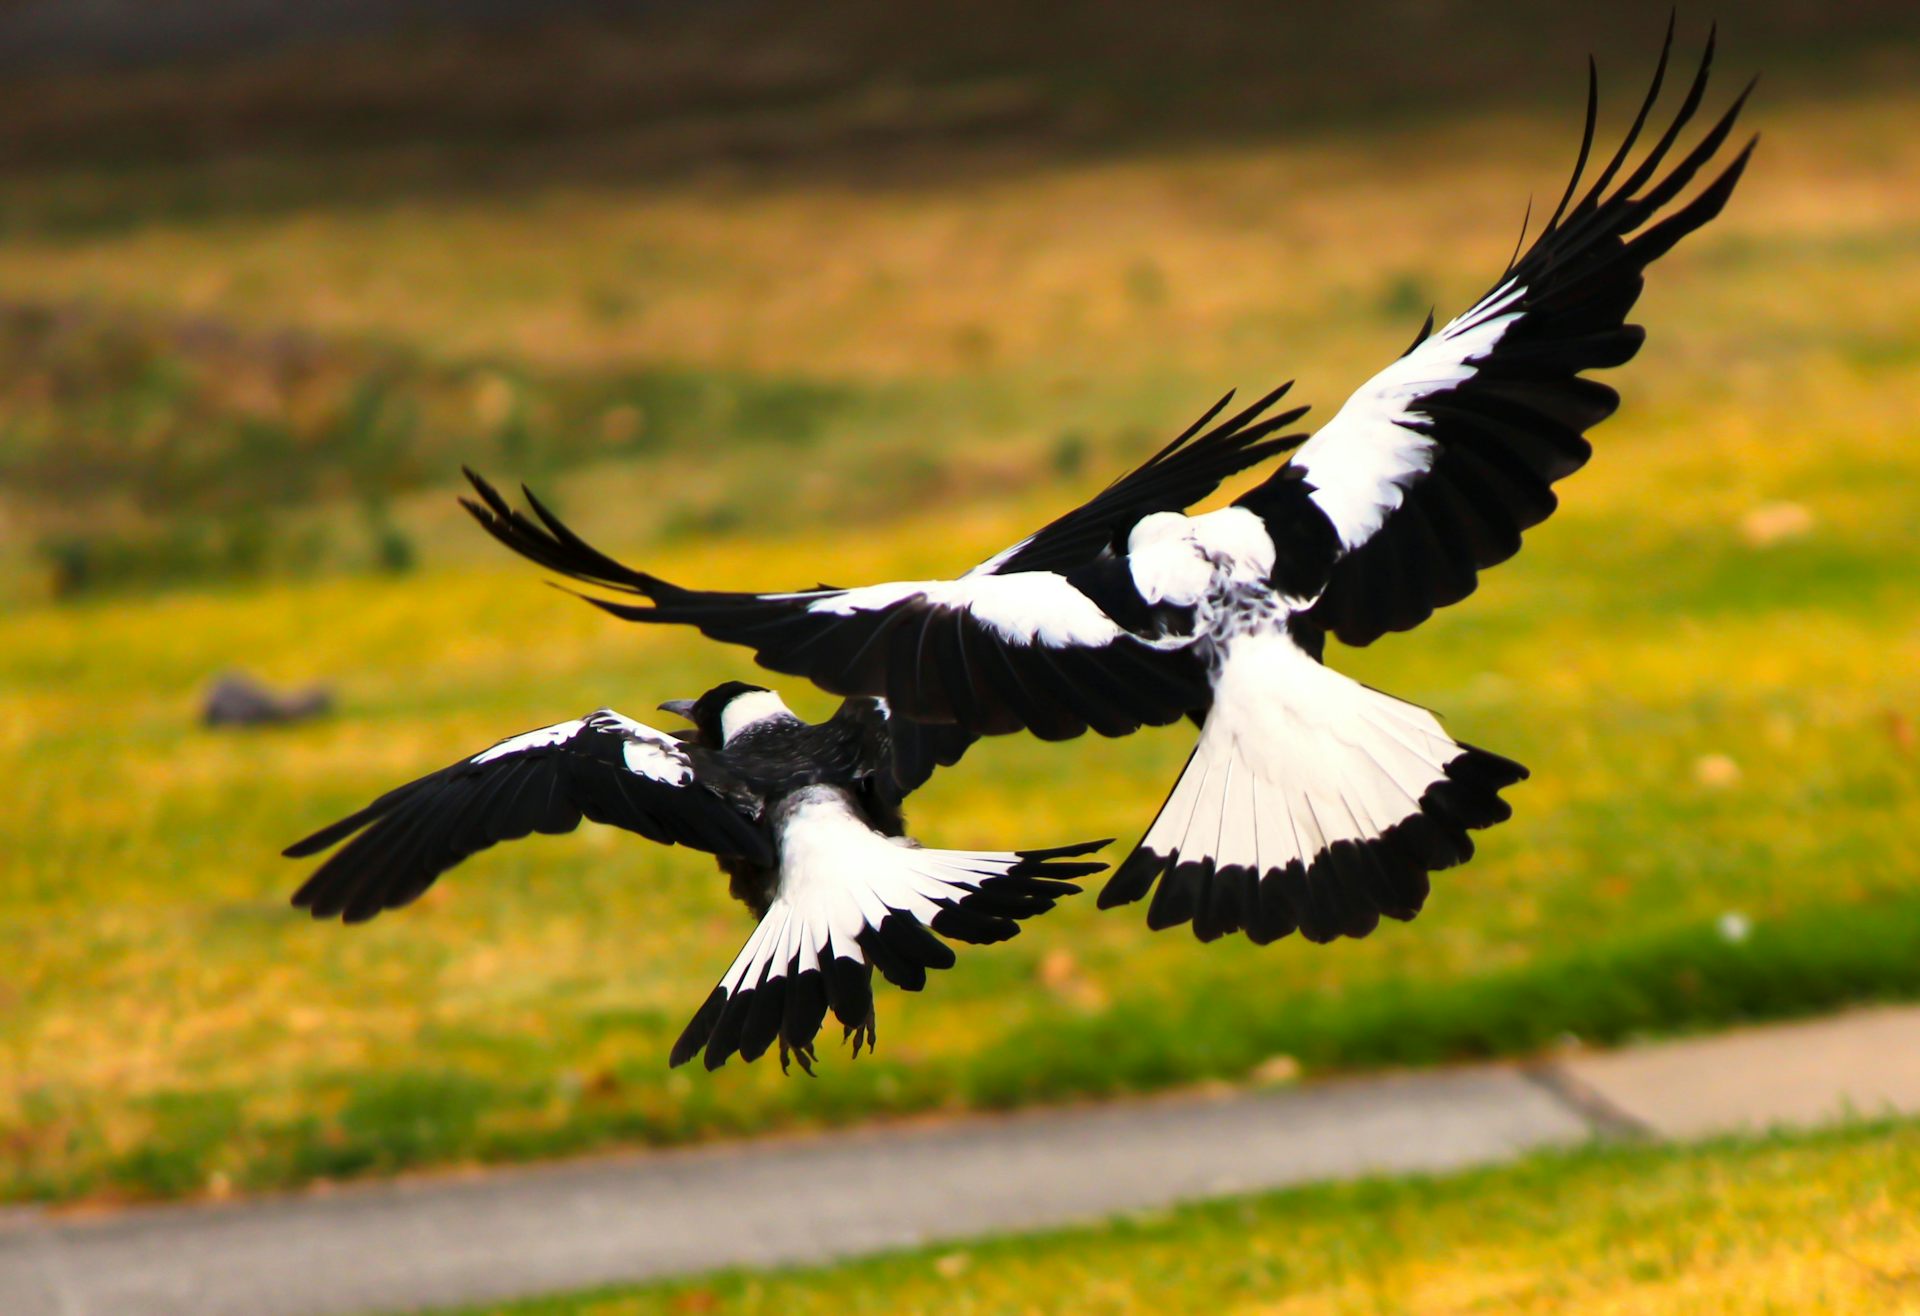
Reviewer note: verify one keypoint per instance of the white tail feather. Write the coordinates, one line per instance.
(1294, 757)
(850, 900)
(1337, 796)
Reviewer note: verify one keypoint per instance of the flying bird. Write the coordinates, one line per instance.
(804, 818)
(1310, 802)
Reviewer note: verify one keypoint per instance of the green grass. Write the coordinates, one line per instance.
(1708, 658)
(175, 1028)
(1821, 1223)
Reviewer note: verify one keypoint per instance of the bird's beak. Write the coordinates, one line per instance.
(679, 708)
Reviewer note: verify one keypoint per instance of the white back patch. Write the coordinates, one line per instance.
(1241, 537)
(1158, 528)
(1170, 571)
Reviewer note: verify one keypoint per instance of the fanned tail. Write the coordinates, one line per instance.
(1311, 803)
(851, 901)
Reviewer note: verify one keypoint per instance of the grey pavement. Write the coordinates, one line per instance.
(432, 1242)
(1864, 1063)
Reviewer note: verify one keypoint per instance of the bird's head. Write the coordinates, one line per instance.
(728, 709)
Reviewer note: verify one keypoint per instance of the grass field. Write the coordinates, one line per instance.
(1808, 1224)
(1708, 657)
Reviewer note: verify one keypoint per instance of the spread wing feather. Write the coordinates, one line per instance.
(1050, 635)
(1430, 472)
(603, 767)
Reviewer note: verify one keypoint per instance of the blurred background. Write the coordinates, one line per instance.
(761, 293)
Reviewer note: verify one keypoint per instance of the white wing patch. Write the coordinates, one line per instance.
(544, 738)
(994, 563)
(646, 752)
(1026, 607)
(1361, 462)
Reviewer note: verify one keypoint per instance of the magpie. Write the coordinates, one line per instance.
(804, 818)
(1310, 802)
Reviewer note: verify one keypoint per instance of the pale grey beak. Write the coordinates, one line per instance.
(679, 708)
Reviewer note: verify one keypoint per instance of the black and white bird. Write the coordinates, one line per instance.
(1310, 801)
(805, 819)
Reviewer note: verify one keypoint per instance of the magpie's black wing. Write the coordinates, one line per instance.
(1172, 480)
(917, 748)
(1055, 635)
(1430, 471)
(901, 753)
(603, 767)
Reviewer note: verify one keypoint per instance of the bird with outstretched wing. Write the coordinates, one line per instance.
(1310, 802)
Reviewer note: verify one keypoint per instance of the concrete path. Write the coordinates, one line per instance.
(1789, 1075)
(434, 1242)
